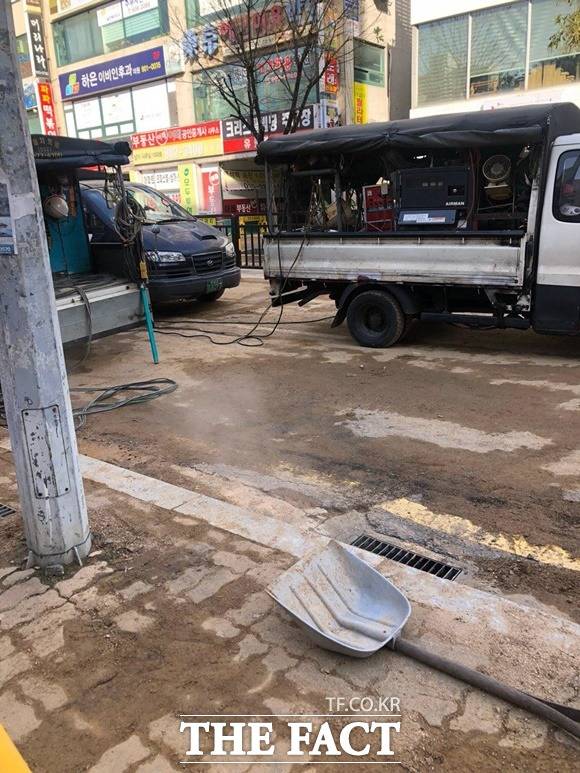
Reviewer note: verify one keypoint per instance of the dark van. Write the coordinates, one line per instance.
(186, 258)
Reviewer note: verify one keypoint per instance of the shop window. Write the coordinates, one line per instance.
(274, 90)
(498, 49)
(119, 114)
(23, 56)
(369, 63)
(442, 60)
(550, 67)
(108, 28)
(566, 205)
(34, 125)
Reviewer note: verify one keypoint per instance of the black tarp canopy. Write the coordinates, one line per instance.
(59, 153)
(526, 125)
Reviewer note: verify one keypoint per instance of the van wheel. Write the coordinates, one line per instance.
(209, 297)
(376, 319)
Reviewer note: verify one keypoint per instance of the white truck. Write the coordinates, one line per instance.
(468, 218)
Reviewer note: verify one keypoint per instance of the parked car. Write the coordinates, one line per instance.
(186, 258)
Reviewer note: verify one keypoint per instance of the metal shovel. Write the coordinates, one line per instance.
(346, 606)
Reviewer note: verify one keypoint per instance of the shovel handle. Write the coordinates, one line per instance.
(560, 716)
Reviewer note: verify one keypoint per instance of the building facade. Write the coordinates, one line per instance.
(117, 70)
(485, 54)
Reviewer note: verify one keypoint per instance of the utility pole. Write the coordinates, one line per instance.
(32, 368)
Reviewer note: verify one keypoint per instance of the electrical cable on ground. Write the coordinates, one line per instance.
(110, 398)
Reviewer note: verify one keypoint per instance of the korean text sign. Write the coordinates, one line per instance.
(116, 73)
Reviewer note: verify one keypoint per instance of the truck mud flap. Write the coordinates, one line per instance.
(556, 309)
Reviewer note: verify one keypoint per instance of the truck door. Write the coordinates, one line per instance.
(556, 306)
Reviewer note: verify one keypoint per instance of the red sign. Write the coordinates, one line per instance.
(196, 131)
(211, 190)
(262, 23)
(46, 112)
(243, 206)
(331, 75)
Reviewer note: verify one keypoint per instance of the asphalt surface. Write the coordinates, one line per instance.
(458, 444)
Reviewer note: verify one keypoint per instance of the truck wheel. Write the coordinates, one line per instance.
(375, 319)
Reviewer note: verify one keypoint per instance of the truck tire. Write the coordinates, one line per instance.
(375, 319)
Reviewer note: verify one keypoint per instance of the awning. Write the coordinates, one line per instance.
(71, 153)
(526, 125)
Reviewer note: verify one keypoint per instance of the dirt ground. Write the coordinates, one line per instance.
(457, 444)
(311, 402)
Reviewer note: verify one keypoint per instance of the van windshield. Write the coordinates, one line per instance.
(158, 208)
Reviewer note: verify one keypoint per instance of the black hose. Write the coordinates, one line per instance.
(540, 708)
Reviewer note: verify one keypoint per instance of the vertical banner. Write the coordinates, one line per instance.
(360, 103)
(37, 45)
(46, 110)
(187, 187)
(331, 75)
(211, 190)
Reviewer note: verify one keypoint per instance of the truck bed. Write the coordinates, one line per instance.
(493, 259)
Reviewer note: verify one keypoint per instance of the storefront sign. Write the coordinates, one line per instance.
(238, 138)
(211, 190)
(123, 10)
(360, 103)
(243, 180)
(331, 76)
(179, 143)
(46, 110)
(241, 206)
(125, 71)
(29, 95)
(187, 187)
(37, 45)
(210, 40)
(162, 179)
(328, 114)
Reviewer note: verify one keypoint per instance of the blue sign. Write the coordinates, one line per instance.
(116, 73)
(29, 96)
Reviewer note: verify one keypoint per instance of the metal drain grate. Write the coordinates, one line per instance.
(407, 557)
(6, 510)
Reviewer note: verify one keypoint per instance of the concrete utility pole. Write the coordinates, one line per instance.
(32, 369)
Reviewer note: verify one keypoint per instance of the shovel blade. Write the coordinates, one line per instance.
(342, 602)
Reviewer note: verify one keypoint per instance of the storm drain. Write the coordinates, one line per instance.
(407, 557)
(6, 510)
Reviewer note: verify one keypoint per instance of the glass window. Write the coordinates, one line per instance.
(567, 188)
(549, 67)
(442, 60)
(151, 107)
(143, 108)
(498, 49)
(273, 89)
(34, 125)
(109, 28)
(23, 56)
(369, 63)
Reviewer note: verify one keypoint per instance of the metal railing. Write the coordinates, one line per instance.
(246, 233)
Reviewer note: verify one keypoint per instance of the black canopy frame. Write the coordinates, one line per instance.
(529, 125)
(60, 153)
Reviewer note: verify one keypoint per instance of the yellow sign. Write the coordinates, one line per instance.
(187, 187)
(178, 151)
(360, 103)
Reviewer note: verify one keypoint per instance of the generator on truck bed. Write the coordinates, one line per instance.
(471, 218)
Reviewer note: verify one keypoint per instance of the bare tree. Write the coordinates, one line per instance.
(251, 44)
(567, 36)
